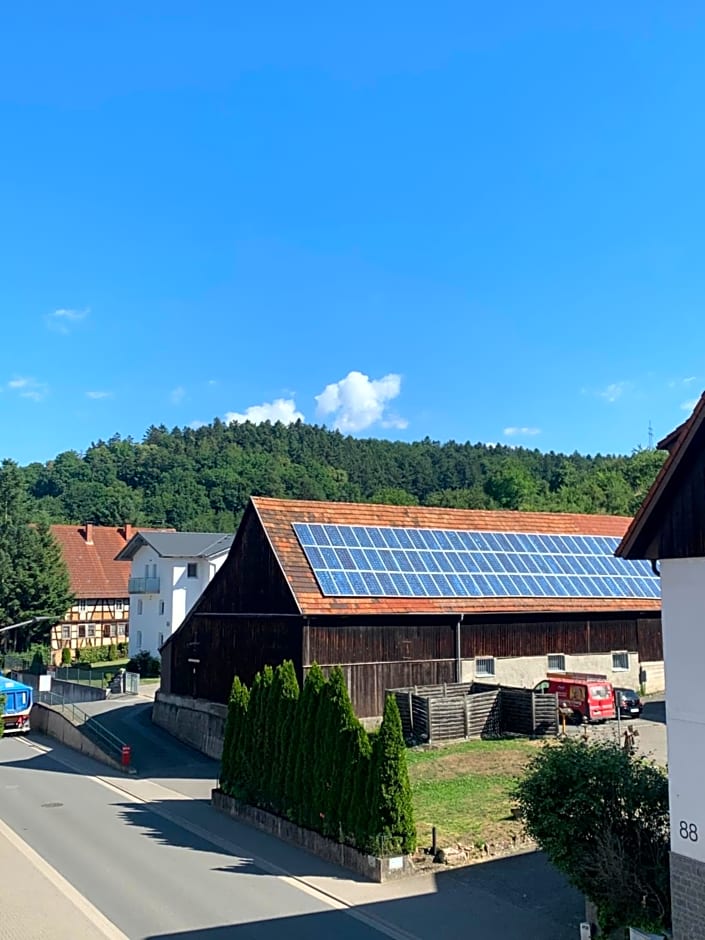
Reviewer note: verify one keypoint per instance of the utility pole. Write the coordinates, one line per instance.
(651, 436)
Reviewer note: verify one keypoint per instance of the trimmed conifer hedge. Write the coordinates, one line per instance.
(307, 757)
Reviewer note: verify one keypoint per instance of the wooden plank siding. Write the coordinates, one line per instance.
(681, 530)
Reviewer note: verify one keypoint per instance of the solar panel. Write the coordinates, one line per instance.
(385, 561)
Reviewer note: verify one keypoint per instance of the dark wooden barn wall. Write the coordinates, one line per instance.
(682, 525)
(250, 580)
(649, 640)
(227, 646)
(538, 638)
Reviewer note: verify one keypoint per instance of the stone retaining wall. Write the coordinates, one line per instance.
(369, 866)
(196, 722)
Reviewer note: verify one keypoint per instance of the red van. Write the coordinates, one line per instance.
(590, 697)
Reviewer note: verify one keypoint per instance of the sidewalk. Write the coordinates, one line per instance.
(38, 903)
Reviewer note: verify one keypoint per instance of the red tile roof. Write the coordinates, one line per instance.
(277, 516)
(92, 568)
(637, 541)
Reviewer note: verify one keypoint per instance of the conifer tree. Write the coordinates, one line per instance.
(392, 827)
(307, 747)
(250, 748)
(288, 686)
(237, 762)
(338, 718)
(226, 756)
(264, 738)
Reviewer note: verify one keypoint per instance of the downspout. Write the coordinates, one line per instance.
(458, 658)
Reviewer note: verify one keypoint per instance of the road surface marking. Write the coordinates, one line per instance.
(100, 921)
(294, 881)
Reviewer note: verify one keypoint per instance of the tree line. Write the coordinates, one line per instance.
(200, 480)
(308, 758)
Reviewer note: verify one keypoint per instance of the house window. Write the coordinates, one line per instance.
(161, 608)
(81, 631)
(484, 666)
(160, 640)
(127, 630)
(65, 631)
(118, 605)
(106, 631)
(139, 606)
(82, 604)
(620, 662)
(192, 569)
(556, 662)
(113, 629)
(90, 629)
(139, 639)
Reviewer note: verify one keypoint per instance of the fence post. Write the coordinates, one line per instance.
(411, 714)
(533, 713)
(466, 715)
(429, 710)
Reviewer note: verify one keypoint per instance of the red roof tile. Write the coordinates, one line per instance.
(277, 516)
(92, 568)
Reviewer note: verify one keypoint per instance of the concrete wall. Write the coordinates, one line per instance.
(369, 866)
(53, 723)
(687, 897)
(526, 671)
(655, 676)
(73, 692)
(196, 722)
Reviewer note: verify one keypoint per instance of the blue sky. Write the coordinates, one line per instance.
(455, 220)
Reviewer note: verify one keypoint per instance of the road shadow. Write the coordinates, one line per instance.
(497, 899)
(512, 898)
(654, 711)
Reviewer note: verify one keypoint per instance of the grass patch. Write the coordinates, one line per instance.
(465, 790)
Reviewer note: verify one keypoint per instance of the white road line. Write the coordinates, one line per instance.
(98, 920)
(370, 920)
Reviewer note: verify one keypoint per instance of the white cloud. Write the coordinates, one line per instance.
(521, 432)
(690, 404)
(281, 409)
(612, 392)
(195, 425)
(27, 387)
(97, 395)
(177, 395)
(64, 318)
(356, 402)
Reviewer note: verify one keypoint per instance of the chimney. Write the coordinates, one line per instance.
(129, 531)
(89, 533)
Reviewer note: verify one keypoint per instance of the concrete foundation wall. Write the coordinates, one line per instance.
(56, 725)
(196, 722)
(687, 897)
(70, 692)
(655, 676)
(527, 671)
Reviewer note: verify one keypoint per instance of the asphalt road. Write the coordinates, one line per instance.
(171, 885)
(152, 855)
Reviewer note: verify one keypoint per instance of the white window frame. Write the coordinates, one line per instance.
(485, 667)
(615, 655)
(90, 630)
(65, 631)
(119, 605)
(556, 656)
(83, 604)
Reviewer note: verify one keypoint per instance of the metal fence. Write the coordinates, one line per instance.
(87, 724)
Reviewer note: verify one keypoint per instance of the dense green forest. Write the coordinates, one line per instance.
(201, 479)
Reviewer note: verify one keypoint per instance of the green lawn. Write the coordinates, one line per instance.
(465, 790)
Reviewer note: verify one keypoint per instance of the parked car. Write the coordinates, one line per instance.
(586, 696)
(629, 702)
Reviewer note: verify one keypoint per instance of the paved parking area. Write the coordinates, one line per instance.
(651, 729)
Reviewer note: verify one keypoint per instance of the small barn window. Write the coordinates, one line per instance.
(192, 569)
(484, 666)
(620, 662)
(556, 662)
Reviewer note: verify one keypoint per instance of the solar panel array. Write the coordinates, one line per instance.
(385, 561)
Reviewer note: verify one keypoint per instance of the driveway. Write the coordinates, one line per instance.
(651, 729)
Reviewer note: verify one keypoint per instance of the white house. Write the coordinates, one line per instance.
(170, 571)
(669, 530)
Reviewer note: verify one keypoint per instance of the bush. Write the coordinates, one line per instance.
(601, 816)
(121, 650)
(148, 666)
(391, 827)
(65, 657)
(112, 652)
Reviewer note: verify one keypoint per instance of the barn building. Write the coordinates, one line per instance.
(403, 596)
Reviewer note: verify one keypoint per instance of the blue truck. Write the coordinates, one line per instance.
(17, 707)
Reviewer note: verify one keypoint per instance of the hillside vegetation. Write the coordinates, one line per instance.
(201, 479)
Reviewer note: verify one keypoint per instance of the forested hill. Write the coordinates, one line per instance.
(201, 479)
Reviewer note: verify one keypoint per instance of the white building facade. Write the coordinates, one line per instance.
(169, 572)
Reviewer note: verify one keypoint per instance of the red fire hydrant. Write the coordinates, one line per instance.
(126, 755)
